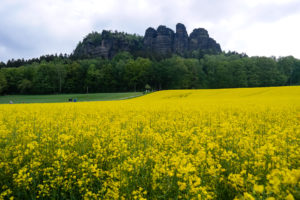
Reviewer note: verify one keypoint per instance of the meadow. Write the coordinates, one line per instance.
(174, 144)
(65, 97)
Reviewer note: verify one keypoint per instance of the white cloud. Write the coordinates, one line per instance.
(254, 3)
(258, 27)
(275, 39)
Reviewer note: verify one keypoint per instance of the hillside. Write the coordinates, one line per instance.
(160, 43)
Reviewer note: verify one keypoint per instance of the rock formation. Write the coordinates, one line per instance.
(181, 41)
(162, 42)
(149, 39)
(199, 39)
(159, 41)
(107, 44)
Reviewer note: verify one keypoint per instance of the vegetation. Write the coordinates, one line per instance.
(66, 97)
(123, 73)
(118, 41)
(180, 144)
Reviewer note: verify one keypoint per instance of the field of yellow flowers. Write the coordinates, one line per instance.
(177, 144)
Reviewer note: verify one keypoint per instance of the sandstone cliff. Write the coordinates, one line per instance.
(181, 42)
(161, 42)
(107, 44)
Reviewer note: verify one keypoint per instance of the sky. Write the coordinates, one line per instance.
(31, 28)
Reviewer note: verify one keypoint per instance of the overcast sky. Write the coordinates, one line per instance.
(30, 28)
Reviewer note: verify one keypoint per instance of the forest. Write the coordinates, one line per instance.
(125, 72)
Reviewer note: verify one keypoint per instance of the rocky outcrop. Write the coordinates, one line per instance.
(164, 41)
(161, 42)
(107, 45)
(149, 39)
(199, 39)
(181, 40)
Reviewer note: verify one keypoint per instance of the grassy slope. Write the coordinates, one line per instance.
(65, 97)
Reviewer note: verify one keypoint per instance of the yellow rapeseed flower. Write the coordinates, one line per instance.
(189, 144)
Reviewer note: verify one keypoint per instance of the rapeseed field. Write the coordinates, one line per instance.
(177, 144)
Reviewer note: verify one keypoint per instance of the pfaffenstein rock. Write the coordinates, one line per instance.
(199, 39)
(162, 42)
(149, 39)
(181, 40)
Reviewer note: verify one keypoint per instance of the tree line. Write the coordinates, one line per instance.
(60, 74)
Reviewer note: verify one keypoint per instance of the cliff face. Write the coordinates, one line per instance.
(199, 39)
(181, 42)
(162, 42)
(107, 44)
(102, 48)
(149, 39)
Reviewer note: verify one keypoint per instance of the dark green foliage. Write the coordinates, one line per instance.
(75, 78)
(126, 73)
(290, 67)
(2, 65)
(45, 81)
(93, 37)
(137, 73)
(44, 58)
(269, 73)
(294, 79)
(25, 86)
(13, 76)
(3, 82)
